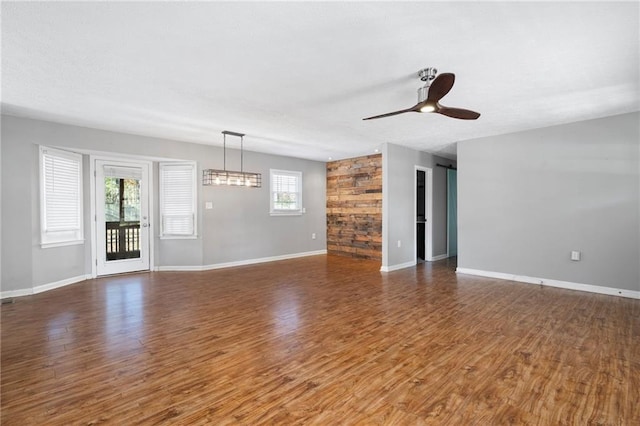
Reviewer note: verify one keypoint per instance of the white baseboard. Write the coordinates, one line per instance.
(61, 283)
(240, 262)
(438, 257)
(553, 283)
(15, 293)
(398, 266)
(43, 287)
(186, 268)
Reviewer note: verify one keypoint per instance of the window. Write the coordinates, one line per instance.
(286, 192)
(60, 198)
(178, 200)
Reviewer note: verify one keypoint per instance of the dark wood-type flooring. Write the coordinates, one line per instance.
(320, 340)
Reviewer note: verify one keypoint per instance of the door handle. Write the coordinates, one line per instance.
(144, 225)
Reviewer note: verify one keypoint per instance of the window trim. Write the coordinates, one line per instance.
(194, 188)
(49, 239)
(280, 212)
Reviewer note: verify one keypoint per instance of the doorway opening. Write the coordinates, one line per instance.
(423, 214)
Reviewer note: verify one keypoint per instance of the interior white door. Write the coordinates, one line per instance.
(122, 216)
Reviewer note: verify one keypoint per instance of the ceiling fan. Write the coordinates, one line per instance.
(429, 95)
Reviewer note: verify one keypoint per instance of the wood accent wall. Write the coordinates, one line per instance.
(354, 207)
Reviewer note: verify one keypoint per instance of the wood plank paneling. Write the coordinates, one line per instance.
(325, 340)
(354, 207)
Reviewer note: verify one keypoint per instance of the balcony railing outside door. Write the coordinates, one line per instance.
(123, 240)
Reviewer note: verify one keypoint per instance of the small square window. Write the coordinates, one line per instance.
(286, 192)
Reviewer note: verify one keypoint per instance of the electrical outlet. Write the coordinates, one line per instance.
(399, 243)
(313, 236)
(208, 205)
(575, 255)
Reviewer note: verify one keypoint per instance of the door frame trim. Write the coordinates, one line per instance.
(448, 236)
(93, 217)
(428, 230)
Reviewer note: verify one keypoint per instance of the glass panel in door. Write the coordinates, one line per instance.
(122, 218)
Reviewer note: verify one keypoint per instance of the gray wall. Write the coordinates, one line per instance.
(398, 206)
(526, 200)
(238, 228)
(241, 218)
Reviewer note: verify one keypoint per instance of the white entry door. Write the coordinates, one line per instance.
(122, 216)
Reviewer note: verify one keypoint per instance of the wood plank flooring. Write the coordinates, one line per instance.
(322, 340)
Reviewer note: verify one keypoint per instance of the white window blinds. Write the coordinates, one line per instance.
(60, 197)
(286, 192)
(178, 200)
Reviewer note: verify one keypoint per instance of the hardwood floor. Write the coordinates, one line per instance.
(320, 340)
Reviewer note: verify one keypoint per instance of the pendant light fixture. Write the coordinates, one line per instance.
(231, 178)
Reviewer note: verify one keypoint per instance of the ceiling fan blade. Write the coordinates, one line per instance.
(441, 86)
(463, 114)
(389, 114)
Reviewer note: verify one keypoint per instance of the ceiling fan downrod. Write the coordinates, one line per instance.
(427, 75)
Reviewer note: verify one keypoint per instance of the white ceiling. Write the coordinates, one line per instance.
(298, 78)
